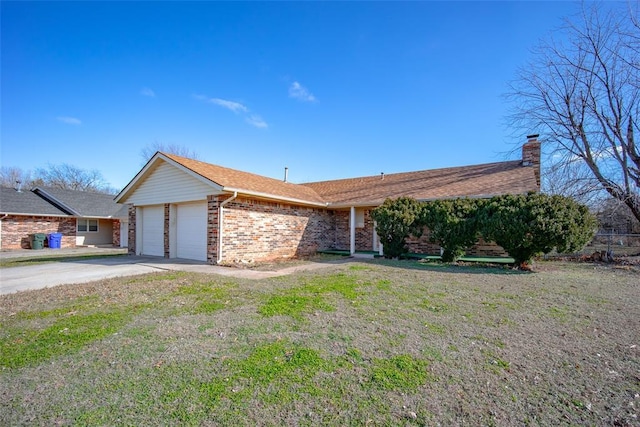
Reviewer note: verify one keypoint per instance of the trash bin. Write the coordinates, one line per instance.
(37, 240)
(54, 240)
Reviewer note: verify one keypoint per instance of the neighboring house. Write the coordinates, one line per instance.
(184, 208)
(84, 219)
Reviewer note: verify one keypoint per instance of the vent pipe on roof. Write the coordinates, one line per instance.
(19, 186)
(381, 175)
(286, 174)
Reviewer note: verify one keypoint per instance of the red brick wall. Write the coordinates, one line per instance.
(341, 230)
(131, 248)
(364, 235)
(423, 246)
(115, 241)
(259, 230)
(17, 228)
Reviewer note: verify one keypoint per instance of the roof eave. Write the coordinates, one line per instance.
(54, 201)
(275, 197)
(35, 214)
(122, 196)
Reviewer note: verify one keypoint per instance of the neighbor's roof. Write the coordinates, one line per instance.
(81, 203)
(248, 183)
(484, 180)
(26, 202)
(47, 201)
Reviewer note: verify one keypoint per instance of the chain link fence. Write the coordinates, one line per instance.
(605, 245)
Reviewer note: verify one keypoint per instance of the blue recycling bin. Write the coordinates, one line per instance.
(54, 240)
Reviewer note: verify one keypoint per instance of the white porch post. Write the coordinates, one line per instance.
(352, 231)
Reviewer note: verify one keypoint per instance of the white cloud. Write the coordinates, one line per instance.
(297, 91)
(69, 120)
(145, 91)
(236, 107)
(256, 120)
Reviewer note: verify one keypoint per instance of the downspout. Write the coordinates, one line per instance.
(5, 215)
(220, 219)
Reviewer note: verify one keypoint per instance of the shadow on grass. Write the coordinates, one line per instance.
(18, 262)
(441, 267)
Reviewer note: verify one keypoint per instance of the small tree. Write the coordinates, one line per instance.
(453, 224)
(71, 177)
(533, 224)
(179, 150)
(396, 219)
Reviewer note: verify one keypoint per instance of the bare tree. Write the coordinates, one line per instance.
(71, 177)
(179, 150)
(11, 176)
(581, 95)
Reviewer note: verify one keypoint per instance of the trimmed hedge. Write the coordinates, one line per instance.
(524, 225)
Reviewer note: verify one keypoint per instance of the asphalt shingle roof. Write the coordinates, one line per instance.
(483, 180)
(59, 202)
(82, 203)
(232, 179)
(26, 203)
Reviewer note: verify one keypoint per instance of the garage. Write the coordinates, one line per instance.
(191, 233)
(152, 231)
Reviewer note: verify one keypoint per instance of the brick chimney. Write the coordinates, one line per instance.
(531, 155)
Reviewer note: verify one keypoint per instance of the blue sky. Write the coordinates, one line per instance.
(330, 90)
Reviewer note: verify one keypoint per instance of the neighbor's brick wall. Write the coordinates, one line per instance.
(260, 230)
(16, 230)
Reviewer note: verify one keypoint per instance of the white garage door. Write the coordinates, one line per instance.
(153, 230)
(191, 231)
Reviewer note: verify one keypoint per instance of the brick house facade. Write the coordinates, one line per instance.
(82, 218)
(182, 207)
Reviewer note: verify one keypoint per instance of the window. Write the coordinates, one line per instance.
(88, 225)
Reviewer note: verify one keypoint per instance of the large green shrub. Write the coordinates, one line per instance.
(396, 219)
(453, 224)
(533, 224)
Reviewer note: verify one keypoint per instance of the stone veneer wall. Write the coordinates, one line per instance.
(257, 230)
(17, 228)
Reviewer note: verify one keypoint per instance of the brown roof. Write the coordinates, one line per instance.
(484, 180)
(235, 180)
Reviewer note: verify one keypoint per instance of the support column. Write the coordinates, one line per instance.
(352, 231)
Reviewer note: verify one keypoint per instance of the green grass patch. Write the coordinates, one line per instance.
(399, 373)
(313, 296)
(294, 305)
(202, 298)
(29, 346)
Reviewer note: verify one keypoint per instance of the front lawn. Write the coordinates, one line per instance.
(361, 343)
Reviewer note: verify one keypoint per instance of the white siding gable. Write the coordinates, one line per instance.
(168, 184)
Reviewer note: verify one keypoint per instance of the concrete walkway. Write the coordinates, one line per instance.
(41, 276)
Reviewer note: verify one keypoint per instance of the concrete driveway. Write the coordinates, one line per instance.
(41, 276)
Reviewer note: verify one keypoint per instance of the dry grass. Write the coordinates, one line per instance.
(367, 343)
